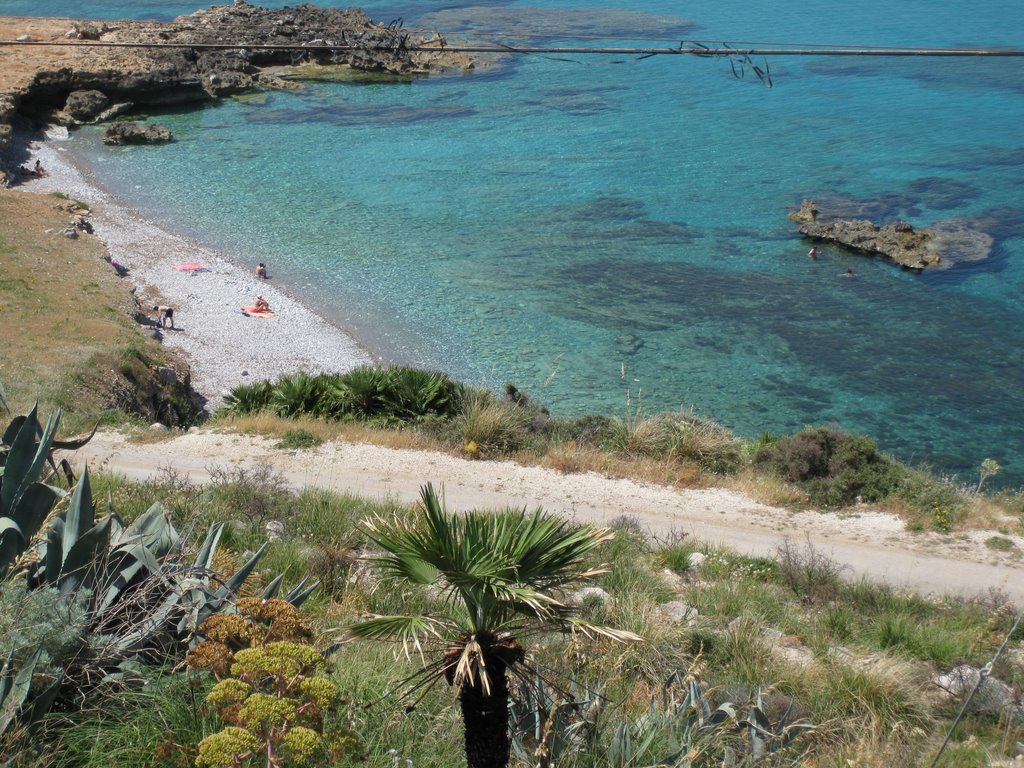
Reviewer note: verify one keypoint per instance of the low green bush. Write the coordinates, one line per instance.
(248, 399)
(834, 468)
(393, 395)
(298, 439)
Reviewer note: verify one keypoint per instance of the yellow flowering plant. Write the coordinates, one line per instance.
(269, 691)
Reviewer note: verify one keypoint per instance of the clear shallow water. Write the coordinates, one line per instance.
(557, 223)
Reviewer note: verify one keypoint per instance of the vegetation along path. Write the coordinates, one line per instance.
(867, 542)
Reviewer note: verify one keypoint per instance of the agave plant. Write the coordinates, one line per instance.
(144, 600)
(678, 727)
(548, 724)
(26, 498)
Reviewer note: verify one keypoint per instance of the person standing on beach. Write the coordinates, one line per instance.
(261, 271)
(164, 315)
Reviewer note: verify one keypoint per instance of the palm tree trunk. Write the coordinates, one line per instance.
(486, 720)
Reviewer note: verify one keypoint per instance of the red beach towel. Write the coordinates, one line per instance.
(255, 312)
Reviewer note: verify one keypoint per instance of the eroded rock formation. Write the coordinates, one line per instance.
(128, 132)
(43, 81)
(942, 245)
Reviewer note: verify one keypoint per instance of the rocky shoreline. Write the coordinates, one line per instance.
(223, 347)
(203, 56)
(68, 85)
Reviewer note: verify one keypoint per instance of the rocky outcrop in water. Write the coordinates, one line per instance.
(129, 132)
(899, 242)
(942, 245)
(71, 82)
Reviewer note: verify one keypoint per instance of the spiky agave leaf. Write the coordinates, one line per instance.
(14, 686)
(25, 501)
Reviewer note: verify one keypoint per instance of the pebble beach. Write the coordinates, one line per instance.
(223, 346)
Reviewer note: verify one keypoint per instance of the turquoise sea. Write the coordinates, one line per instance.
(606, 231)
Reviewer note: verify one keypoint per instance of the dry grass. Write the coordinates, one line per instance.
(767, 489)
(271, 425)
(64, 315)
(569, 458)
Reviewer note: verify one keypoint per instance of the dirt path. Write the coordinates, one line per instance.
(868, 542)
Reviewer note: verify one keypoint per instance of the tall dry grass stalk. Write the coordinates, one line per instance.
(493, 426)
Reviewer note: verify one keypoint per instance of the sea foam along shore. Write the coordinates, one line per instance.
(224, 347)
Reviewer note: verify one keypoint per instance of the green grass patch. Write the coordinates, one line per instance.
(298, 439)
(1000, 543)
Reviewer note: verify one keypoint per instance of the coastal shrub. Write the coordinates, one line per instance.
(927, 640)
(152, 725)
(248, 399)
(834, 468)
(923, 493)
(809, 573)
(675, 556)
(635, 436)
(42, 619)
(589, 431)
(253, 495)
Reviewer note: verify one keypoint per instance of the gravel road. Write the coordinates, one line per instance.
(867, 542)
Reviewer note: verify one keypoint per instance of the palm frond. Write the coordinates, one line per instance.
(411, 631)
(599, 630)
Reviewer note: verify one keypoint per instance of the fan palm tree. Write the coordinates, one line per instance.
(502, 576)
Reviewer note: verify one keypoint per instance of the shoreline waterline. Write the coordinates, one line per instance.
(224, 347)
